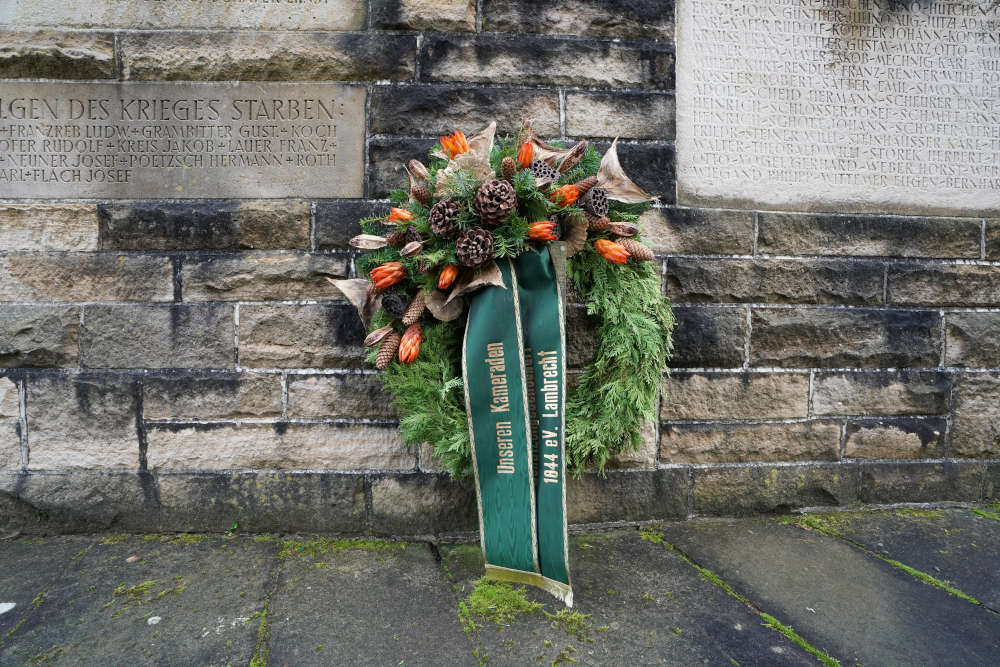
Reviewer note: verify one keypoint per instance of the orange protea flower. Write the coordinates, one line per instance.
(388, 274)
(447, 276)
(542, 231)
(454, 144)
(525, 155)
(410, 345)
(611, 251)
(398, 215)
(565, 195)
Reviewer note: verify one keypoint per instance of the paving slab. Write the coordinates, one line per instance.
(368, 603)
(858, 609)
(643, 605)
(135, 600)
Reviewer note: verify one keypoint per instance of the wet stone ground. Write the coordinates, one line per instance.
(884, 587)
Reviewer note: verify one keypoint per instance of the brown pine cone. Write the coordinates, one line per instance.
(396, 239)
(586, 184)
(413, 235)
(508, 168)
(596, 223)
(442, 219)
(494, 201)
(595, 201)
(421, 194)
(394, 303)
(474, 247)
(387, 350)
(636, 250)
(415, 309)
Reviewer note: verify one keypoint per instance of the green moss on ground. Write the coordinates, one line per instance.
(495, 601)
(321, 546)
(573, 623)
(126, 597)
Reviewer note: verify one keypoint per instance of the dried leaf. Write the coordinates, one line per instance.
(612, 178)
(441, 309)
(418, 170)
(573, 157)
(476, 161)
(412, 248)
(551, 155)
(362, 295)
(368, 242)
(489, 275)
(375, 337)
(575, 233)
(623, 228)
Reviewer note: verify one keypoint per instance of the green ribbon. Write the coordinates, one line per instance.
(515, 391)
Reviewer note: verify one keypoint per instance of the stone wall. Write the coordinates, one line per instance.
(182, 364)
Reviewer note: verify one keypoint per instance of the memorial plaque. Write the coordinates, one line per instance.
(191, 140)
(841, 105)
(255, 14)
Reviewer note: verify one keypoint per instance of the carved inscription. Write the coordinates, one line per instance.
(135, 140)
(840, 104)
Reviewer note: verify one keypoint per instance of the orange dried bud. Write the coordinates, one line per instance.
(388, 274)
(565, 195)
(454, 144)
(409, 347)
(611, 251)
(525, 155)
(398, 215)
(447, 276)
(542, 231)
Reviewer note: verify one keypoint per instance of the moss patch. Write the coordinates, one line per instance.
(988, 515)
(114, 539)
(319, 546)
(188, 539)
(126, 597)
(573, 623)
(778, 626)
(262, 650)
(495, 601)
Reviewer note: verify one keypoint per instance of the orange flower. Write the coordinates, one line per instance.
(398, 215)
(454, 144)
(410, 345)
(388, 274)
(448, 275)
(542, 231)
(565, 195)
(525, 155)
(611, 251)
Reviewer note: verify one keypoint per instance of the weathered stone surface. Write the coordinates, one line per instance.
(147, 336)
(765, 489)
(262, 276)
(423, 504)
(992, 486)
(649, 164)
(581, 336)
(724, 443)
(944, 285)
(708, 337)
(868, 236)
(10, 444)
(646, 19)
(212, 396)
(545, 61)
(38, 336)
(881, 393)
(975, 431)
(336, 222)
(628, 496)
(10, 403)
(644, 457)
(85, 277)
(415, 111)
(626, 115)
(773, 281)
(307, 336)
(735, 396)
(204, 225)
(992, 239)
(386, 157)
(899, 438)
(79, 500)
(82, 421)
(694, 231)
(972, 339)
(825, 337)
(277, 446)
(344, 395)
(266, 56)
(921, 482)
(436, 15)
(48, 226)
(47, 54)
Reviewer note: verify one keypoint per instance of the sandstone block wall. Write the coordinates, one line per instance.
(184, 364)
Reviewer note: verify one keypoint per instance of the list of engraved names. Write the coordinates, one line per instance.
(840, 104)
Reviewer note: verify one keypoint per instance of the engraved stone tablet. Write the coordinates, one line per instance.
(190, 140)
(851, 105)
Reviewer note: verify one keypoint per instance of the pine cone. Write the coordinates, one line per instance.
(542, 170)
(395, 304)
(595, 201)
(494, 201)
(396, 239)
(586, 184)
(413, 235)
(415, 309)
(635, 249)
(442, 218)
(387, 350)
(474, 247)
(421, 194)
(596, 223)
(508, 168)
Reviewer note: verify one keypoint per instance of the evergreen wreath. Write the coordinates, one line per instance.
(479, 200)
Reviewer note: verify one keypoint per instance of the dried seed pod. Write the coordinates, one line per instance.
(573, 157)
(595, 201)
(508, 168)
(415, 309)
(387, 350)
(596, 223)
(636, 250)
(376, 336)
(396, 239)
(412, 248)
(368, 242)
(421, 194)
(623, 228)
(418, 169)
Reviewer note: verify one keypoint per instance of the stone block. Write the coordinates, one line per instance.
(10, 402)
(812, 281)
(38, 336)
(650, 164)
(627, 115)
(644, 457)
(10, 444)
(213, 396)
(266, 56)
(545, 61)
(627, 19)
(975, 431)
(81, 501)
(39, 226)
(697, 231)
(85, 277)
(628, 496)
(148, 336)
(343, 395)
(881, 393)
(972, 339)
(921, 482)
(704, 396)
(277, 446)
(992, 239)
(50, 54)
(304, 336)
(204, 225)
(581, 336)
(423, 504)
(434, 15)
(725, 443)
(432, 111)
(839, 338)
(262, 276)
(741, 490)
(867, 235)
(991, 490)
(963, 285)
(336, 221)
(82, 421)
(898, 438)
(386, 157)
(708, 337)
